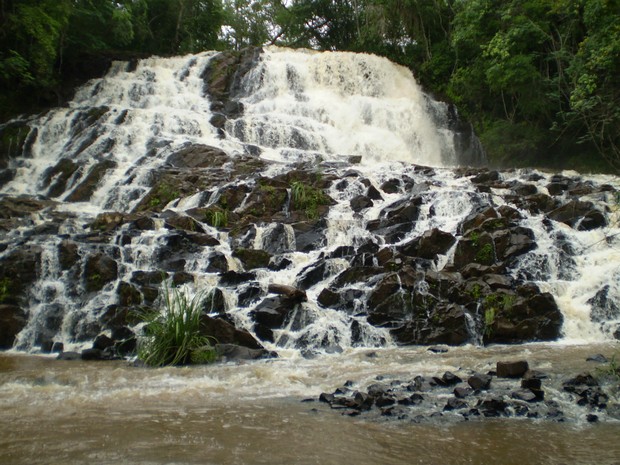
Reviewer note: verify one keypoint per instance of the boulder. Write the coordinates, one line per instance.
(435, 242)
(99, 269)
(512, 369)
(444, 325)
(479, 382)
(604, 306)
(230, 352)
(252, 258)
(12, 321)
(521, 318)
(67, 254)
(19, 268)
(360, 202)
(198, 156)
(224, 332)
(292, 294)
(571, 212)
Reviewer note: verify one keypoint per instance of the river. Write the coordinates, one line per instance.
(231, 413)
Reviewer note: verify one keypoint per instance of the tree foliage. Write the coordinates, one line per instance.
(538, 78)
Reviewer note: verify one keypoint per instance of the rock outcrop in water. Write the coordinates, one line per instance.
(511, 390)
(364, 251)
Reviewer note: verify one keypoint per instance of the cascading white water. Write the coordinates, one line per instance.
(132, 118)
(299, 106)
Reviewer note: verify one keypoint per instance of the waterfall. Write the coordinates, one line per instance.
(304, 105)
(118, 191)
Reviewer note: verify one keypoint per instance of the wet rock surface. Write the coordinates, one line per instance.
(413, 255)
(469, 396)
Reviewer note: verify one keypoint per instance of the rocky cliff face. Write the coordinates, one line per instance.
(373, 252)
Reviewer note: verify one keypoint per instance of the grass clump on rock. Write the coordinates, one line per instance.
(172, 333)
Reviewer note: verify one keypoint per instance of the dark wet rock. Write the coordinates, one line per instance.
(594, 219)
(512, 369)
(373, 193)
(292, 294)
(109, 221)
(275, 240)
(225, 333)
(59, 174)
(312, 274)
(360, 203)
(148, 278)
(531, 383)
(444, 325)
(329, 298)
(522, 318)
(144, 223)
(13, 140)
(604, 306)
(99, 269)
(571, 212)
(526, 395)
(102, 342)
(235, 352)
(89, 183)
(128, 294)
(215, 302)
(583, 379)
(432, 243)
(18, 270)
(479, 382)
(125, 342)
(492, 406)
(6, 176)
(12, 321)
(474, 248)
(198, 156)
(477, 218)
(69, 356)
(525, 189)
(462, 392)
(272, 312)
(218, 263)
(234, 278)
(391, 186)
(91, 354)
(183, 222)
(450, 379)
(597, 358)
(67, 254)
(486, 177)
(309, 235)
(252, 258)
(455, 403)
(513, 242)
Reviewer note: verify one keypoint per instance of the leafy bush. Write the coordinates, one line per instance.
(173, 335)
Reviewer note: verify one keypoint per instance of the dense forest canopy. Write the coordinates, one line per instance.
(539, 79)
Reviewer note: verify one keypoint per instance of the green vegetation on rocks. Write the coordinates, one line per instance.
(172, 332)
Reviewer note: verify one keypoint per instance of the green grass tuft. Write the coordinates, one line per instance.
(173, 335)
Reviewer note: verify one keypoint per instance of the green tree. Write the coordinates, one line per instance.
(594, 72)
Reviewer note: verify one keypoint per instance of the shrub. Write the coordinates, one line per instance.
(173, 334)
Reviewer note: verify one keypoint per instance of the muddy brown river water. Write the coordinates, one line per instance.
(252, 413)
